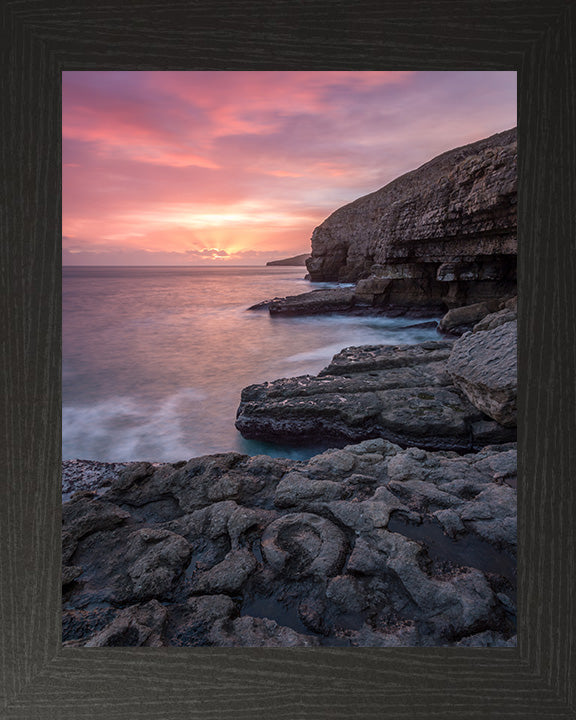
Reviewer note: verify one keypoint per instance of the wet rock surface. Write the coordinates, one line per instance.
(315, 302)
(370, 545)
(401, 393)
(344, 301)
(87, 475)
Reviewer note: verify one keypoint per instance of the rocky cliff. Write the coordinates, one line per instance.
(443, 234)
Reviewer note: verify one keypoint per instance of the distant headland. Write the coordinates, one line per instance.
(296, 261)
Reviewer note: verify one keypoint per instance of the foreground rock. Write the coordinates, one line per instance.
(366, 546)
(88, 475)
(483, 364)
(443, 235)
(402, 393)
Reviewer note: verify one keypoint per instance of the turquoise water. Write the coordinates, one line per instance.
(154, 359)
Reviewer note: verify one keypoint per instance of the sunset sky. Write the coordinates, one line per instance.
(238, 168)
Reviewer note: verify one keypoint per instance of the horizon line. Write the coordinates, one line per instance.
(178, 266)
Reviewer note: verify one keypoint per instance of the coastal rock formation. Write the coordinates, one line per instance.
(315, 302)
(402, 393)
(370, 545)
(483, 364)
(463, 319)
(137, 625)
(443, 235)
(296, 261)
(88, 474)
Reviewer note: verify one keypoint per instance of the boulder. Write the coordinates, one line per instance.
(372, 290)
(461, 319)
(155, 560)
(479, 316)
(85, 514)
(483, 364)
(346, 592)
(227, 576)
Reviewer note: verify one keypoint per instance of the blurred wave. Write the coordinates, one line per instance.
(154, 359)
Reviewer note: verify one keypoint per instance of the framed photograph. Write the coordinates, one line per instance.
(363, 647)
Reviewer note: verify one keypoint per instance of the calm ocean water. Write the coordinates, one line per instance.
(154, 359)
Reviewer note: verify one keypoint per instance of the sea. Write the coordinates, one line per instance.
(155, 358)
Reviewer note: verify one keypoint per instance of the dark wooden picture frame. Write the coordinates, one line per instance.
(39, 679)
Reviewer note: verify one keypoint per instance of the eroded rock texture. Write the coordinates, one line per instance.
(483, 364)
(366, 546)
(443, 235)
(402, 393)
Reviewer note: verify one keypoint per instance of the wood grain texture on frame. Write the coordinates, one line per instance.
(40, 38)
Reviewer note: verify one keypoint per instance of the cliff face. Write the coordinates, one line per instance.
(443, 233)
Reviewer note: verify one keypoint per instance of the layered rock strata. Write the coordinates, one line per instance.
(366, 546)
(401, 393)
(443, 235)
(316, 302)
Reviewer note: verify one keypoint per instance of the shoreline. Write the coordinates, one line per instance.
(358, 546)
(375, 544)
